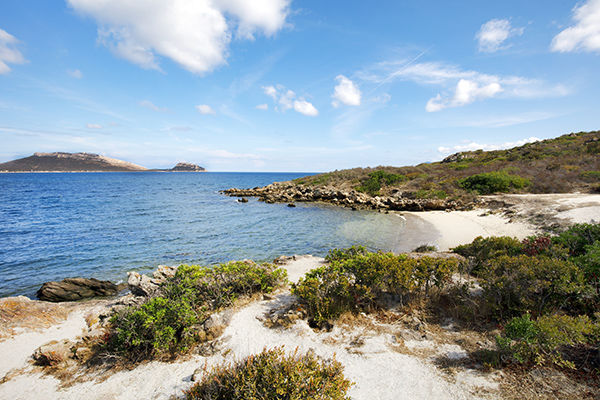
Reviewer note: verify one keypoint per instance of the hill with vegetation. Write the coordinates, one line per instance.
(568, 163)
(68, 162)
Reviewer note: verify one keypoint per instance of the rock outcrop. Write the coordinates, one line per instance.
(287, 192)
(73, 289)
(143, 285)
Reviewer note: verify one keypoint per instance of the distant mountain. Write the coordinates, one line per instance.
(68, 162)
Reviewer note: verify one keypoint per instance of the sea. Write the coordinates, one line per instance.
(101, 225)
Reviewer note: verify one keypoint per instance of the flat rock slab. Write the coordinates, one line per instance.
(73, 289)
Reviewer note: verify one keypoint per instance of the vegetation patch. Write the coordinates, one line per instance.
(274, 375)
(550, 339)
(171, 323)
(493, 182)
(377, 179)
(356, 280)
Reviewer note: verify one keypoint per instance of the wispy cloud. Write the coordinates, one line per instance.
(286, 99)
(75, 73)
(205, 109)
(150, 105)
(494, 33)
(93, 126)
(472, 146)
(460, 86)
(263, 107)
(9, 54)
(585, 34)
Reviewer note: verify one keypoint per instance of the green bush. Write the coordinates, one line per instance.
(514, 285)
(578, 237)
(168, 324)
(546, 339)
(482, 250)
(425, 248)
(272, 375)
(363, 282)
(493, 182)
(377, 179)
(591, 176)
(590, 263)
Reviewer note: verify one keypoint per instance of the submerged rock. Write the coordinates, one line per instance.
(73, 289)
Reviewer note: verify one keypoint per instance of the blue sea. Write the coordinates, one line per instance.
(101, 225)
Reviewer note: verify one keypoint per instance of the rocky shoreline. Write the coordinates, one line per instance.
(287, 192)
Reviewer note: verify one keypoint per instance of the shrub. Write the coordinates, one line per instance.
(425, 248)
(274, 375)
(577, 237)
(481, 250)
(543, 246)
(344, 254)
(590, 263)
(514, 285)
(377, 179)
(169, 323)
(591, 176)
(493, 182)
(364, 282)
(545, 340)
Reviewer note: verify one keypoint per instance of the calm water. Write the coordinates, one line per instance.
(101, 225)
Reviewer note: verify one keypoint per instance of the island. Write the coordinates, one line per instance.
(84, 162)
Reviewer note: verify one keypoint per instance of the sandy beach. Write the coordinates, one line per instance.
(401, 361)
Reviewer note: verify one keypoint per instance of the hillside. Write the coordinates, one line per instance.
(68, 162)
(568, 163)
(564, 164)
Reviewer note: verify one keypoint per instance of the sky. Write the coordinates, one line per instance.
(290, 85)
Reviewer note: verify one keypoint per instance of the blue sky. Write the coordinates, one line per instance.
(281, 85)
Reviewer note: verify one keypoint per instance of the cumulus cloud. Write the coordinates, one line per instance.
(205, 109)
(193, 33)
(472, 146)
(75, 73)
(585, 34)
(286, 99)
(346, 92)
(494, 33)
(9, 54)
(465, 93)
(262, 107)
(94, 126)
(150, 105)
(306, 108)
(460, 87)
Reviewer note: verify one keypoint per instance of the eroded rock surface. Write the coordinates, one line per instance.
(73, 289)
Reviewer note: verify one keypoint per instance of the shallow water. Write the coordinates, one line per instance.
(57, 225)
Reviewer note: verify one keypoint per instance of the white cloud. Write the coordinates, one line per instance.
(286, 99)
(150, 105)
(346, 92)
(304, 107)
(585, 34)
(494, 33)
(205, 109)
(193, 33)
(270, 91)
(466, 92)
(262, 107)
(94, 126)
(8, 52)
(75, 73)
(472, 146)
(461, 87)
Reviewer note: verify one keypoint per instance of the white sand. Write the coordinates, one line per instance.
(459, 227)
(378, 370)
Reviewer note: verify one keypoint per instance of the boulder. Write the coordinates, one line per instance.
(141, 285)
(73, 289)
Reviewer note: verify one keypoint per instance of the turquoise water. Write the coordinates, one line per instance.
(58, 225)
